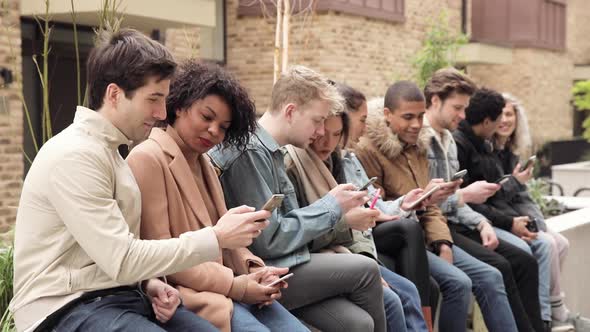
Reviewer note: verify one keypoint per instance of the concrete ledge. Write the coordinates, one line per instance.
(575, 226)
(478, 53)
(143, 15)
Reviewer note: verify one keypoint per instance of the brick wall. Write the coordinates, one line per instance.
(542, 80)
(368, 54)
(183, 43)
(578, 30)
(11, 158)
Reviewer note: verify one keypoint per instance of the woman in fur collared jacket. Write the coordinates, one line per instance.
(512, 142)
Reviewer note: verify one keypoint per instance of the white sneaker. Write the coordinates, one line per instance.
(582, 324)
(574, 322)
(558, 326)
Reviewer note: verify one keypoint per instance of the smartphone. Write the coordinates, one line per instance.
(532, 225)
(283, 278)
(370, 182)
(423, 197)
(528, 163)
(273, 202)
(459, 175)
(503, 179)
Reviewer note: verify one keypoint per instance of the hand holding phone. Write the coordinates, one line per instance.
(528, 163)
(424, 197)
(283, 278)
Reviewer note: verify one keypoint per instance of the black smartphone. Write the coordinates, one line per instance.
(459, 175)
(370, 182)
(532, 225)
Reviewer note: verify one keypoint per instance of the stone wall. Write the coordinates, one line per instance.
(11, 126)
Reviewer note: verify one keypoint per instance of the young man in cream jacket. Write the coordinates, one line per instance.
(78, 260)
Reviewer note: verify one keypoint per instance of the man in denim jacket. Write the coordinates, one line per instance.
(346, 287)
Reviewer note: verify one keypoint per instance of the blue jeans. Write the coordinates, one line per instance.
(406, 297)
(540, 248)
(248, 318)
(127, 311)
(456, 282)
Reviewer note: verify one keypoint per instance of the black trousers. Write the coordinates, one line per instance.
(400, 245)
(519, 270)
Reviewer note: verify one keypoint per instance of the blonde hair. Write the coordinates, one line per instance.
(520, 140)
(301, 85)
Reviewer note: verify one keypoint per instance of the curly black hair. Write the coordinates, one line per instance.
(195, 80)
(484, 103)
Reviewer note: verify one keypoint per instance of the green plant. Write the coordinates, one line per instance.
(538, 189)
(6, 276)
(581, 94)
(439, 49)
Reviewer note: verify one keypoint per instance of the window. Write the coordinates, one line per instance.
(524, 23)
(388, 10)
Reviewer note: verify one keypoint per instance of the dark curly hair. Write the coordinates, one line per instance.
(195, 80)
(484, 103)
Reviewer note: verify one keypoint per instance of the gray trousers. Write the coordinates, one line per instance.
(337, 292)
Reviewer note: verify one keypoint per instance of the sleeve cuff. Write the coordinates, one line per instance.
(238, 288)
(202, 245)
(330, 203)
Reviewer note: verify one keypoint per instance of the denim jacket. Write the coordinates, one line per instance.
(251, 177)
(443, 163)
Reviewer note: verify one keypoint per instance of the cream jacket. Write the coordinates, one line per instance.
(78, 222)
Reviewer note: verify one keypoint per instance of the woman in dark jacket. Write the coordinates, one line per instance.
(511, 143)
(476, 154)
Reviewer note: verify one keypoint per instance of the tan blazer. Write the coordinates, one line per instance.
(172, 205)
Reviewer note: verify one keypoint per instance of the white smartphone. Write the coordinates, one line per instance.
(528, 163)
(273, 202)
(425, 196)
(459, 175)
(283, 278)
(503, 179)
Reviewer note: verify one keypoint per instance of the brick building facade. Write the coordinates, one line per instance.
(11, 115)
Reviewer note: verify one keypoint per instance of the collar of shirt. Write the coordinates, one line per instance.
(97, 125)
(266, 139)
